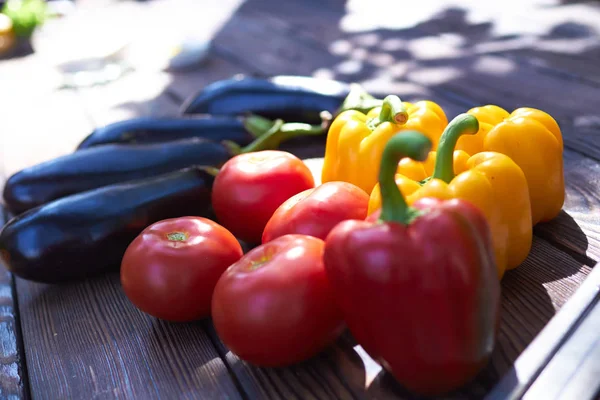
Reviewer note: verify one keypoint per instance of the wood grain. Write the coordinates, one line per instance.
(13, 374)
(87, 340)
(551, 341)
(577, 229)
(573, 371)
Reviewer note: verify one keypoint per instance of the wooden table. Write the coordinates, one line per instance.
(85, 340)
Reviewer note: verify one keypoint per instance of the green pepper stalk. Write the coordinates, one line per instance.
(411, 144)
(463, 124)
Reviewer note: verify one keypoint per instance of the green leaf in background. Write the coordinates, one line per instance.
(26, 15)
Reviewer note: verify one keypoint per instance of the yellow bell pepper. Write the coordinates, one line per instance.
(491, 181)
(533, 140)
(355, 141)
(418, 172)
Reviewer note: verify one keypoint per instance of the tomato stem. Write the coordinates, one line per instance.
(177, 236)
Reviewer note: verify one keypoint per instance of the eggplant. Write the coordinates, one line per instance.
(105, 165)
(163, 129)
(86, 234)
(291, 98)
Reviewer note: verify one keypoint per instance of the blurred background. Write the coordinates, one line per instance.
(69, 66)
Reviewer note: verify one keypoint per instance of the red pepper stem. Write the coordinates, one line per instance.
(463, 124)
(411, 144)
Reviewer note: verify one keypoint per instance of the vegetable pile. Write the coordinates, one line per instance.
(404, 243)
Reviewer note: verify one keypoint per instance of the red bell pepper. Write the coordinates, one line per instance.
(417, 285)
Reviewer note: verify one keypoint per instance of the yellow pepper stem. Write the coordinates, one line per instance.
(392, 110)
(463, 124)
(406, 144)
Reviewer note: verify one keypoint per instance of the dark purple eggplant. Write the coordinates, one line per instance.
(164, 129)
(291, 98)
(100, 166)
(105, 165)
(86, 234)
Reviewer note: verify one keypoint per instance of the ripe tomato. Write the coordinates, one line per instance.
(315, 212)
(171, 268)
(250, 187)
(274, 307)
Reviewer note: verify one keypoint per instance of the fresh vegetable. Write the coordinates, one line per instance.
(157, 130)
(86, 234)
(274, 307)
(250, 187)
(7, 35)
(292, 98)
(355, 141)
(170, 269)
(491, 181)
(316, 211)
(104, 165)
(417, 285)
(26, 15)
(533, 140)
(422, 170)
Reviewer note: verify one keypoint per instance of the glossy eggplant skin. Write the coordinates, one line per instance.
(158, 130)
(86, 234)
(291, 98)
(99, 166)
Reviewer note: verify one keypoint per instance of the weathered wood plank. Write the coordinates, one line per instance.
(577, 229)
(318, 378)
(573, 372)
(86, 340)
(565, 348)
(13, 374)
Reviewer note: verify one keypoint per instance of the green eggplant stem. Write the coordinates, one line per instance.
(276, 133)
(463, 124)
(358, 99)
(411, 144)
(257, 125)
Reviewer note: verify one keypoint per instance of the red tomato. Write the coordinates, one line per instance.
(274, 307)
(250, 187)
(170, 270)
(315, 212)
